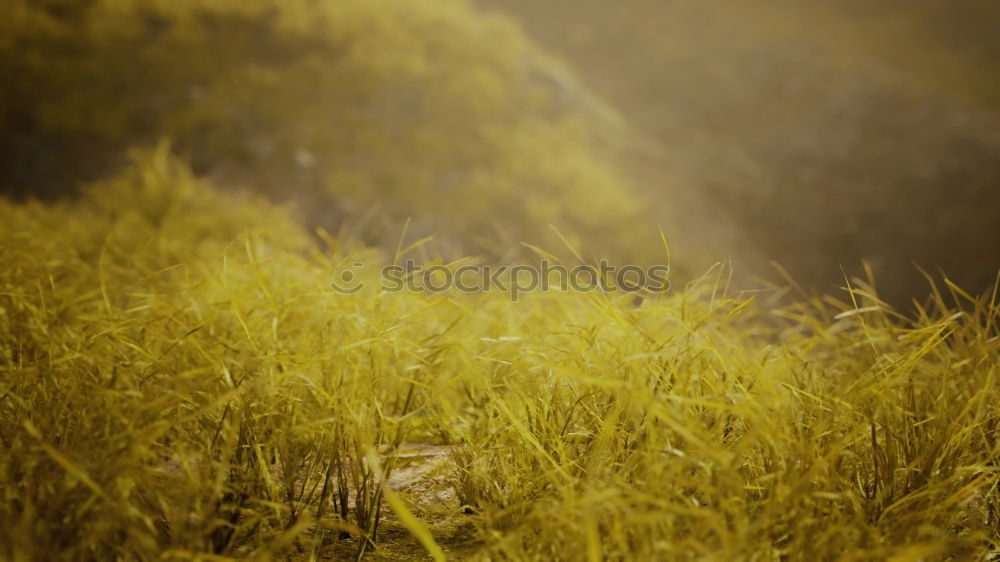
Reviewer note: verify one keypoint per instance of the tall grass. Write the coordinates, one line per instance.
(179, 382)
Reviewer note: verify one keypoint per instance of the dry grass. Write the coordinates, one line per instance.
(179, 382)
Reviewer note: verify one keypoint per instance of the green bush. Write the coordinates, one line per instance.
(388, 110)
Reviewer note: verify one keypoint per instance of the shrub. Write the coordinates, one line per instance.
(397, 109)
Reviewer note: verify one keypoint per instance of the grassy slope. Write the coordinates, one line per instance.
(178, 380)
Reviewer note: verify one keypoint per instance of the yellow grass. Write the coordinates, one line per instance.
(180, 382)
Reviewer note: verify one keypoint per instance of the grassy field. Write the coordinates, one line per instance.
(179, 382)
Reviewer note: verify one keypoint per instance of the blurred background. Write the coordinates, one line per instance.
(815, 134)
(820, 133)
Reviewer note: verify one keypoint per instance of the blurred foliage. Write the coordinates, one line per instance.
(818, 134)
(362, 112)
(815, 134)
(179, 382)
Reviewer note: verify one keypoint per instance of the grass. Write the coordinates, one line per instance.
(180, 383)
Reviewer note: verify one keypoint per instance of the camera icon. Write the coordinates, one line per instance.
(347, 282)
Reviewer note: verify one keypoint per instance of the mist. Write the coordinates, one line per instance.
(499, 280)
(797, 142)
(820, 135)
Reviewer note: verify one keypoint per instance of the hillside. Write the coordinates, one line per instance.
(180, 381)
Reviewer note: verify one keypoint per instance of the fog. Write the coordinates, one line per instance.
(817, 134)
(820, 135)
